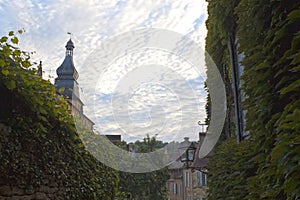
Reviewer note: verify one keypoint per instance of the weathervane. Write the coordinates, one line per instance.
(69, 33)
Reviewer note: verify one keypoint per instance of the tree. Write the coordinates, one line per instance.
(150, 185)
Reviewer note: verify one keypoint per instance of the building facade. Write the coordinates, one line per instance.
(175, 182)
(195, 184)
(188, 183)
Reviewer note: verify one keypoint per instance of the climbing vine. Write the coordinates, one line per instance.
(229, 169)
(268, 35)
(221, 25)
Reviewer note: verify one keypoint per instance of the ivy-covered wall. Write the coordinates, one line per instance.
(41, 154)
(221, 25)
(267, 164)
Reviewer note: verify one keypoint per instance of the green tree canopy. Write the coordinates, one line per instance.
(150, 185)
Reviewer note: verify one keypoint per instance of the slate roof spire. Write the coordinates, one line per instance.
(70, 46)
(67, 69)
(67, 75)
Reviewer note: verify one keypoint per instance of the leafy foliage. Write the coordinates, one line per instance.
(221, 25)
(229, 169)
(268, 34)
(150, 185)
(40, 145)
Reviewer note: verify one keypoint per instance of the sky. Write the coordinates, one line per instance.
(138, 93)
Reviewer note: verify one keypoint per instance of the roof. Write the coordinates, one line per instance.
(70, 44)
(176, 165)
(67, 69)
(114, 138)
(199, 162)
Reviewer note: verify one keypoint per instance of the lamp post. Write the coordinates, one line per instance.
(189, 156)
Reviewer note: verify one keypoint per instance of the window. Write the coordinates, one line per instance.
(202, 179)
(175, 188)
(187, 179)
(200, 183)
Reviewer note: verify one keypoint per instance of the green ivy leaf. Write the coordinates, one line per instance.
(294, 16)
(26, 64)
(17, 52)
(11, 85)
(2, 63)
(4, 39)
(11, 33)
(292, 87)
(6, 51)
(61, 90)
(5, 72)
(296, 59)
(15, 40)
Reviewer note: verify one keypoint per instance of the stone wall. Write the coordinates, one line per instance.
(23, 193)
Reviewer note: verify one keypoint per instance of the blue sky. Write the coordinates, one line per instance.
(46, 23)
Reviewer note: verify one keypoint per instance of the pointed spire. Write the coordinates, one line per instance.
(67, 74)
(69, 48)
(67, 69)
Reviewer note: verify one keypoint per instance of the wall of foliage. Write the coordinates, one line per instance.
(267, 164)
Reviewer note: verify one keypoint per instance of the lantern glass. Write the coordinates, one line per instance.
(189, 154)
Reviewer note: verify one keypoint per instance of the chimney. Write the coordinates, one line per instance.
(201, 137)
(186, 139)
(202, 133)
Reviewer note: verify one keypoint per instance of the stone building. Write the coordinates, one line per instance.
(175, 182)
(188, 183)
(195, 184)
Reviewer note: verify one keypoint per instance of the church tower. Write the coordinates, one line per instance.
(66, 81)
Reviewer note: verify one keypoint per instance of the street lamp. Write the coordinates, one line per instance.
(189, 155)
